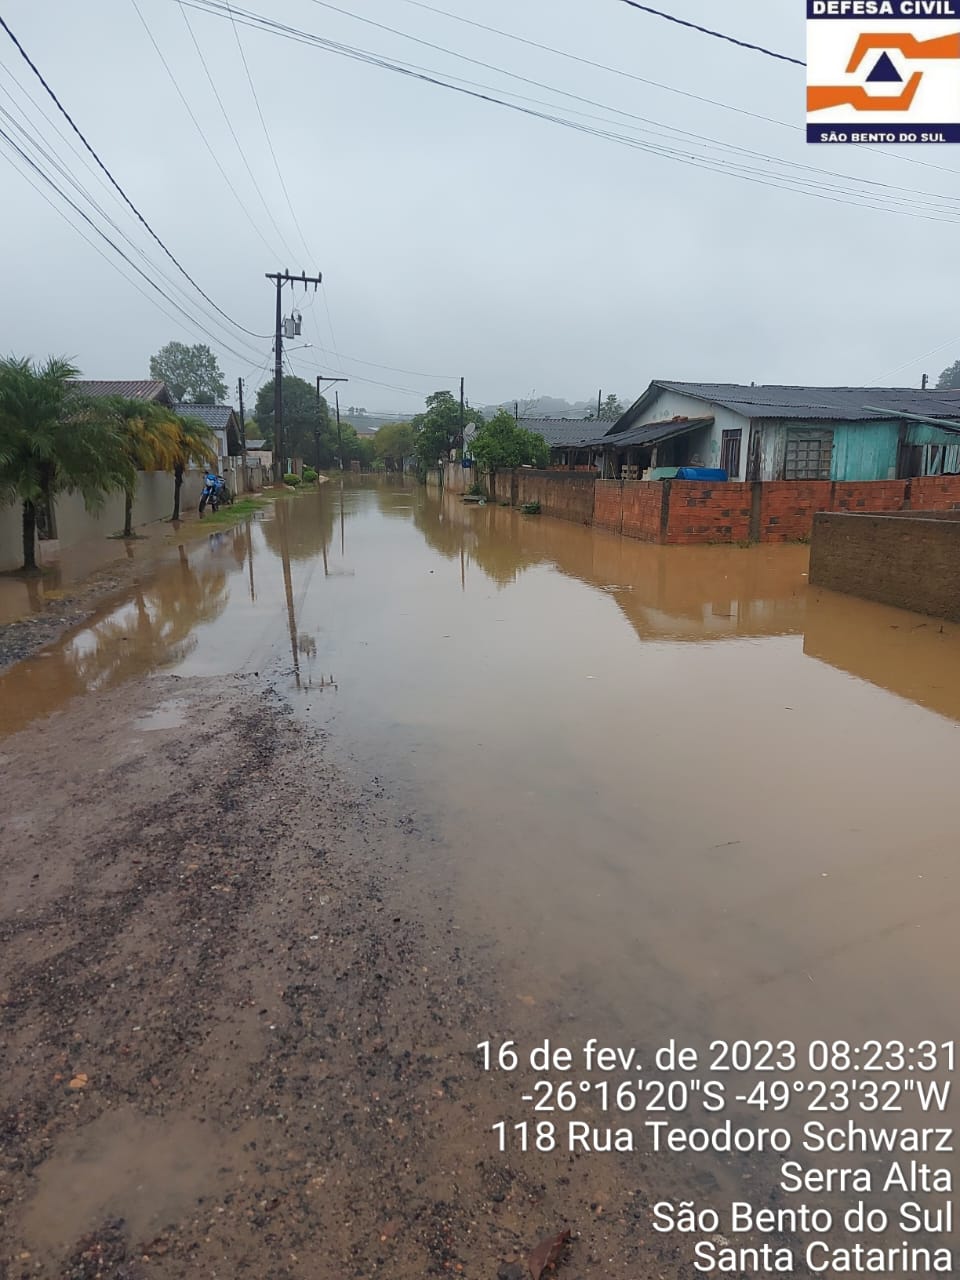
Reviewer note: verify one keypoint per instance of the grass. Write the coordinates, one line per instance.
(233, 511)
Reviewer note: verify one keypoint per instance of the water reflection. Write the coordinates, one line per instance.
(154, 628)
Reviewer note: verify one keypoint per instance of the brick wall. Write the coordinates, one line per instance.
(690, 512)
(608, 505)
(698, 512)
(935, 493)
(642, 509)
(877, 558)
(566, 494)
(787, 508)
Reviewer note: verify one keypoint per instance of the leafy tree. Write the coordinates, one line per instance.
(394, 442)
(502, 442)
(611, 409)
(304, 418)
(195, 444)
(950, 378)
(54, 440)
(438, 428)
(191, 373)
(150, 436)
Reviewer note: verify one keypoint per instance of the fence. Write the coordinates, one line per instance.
(689, 512)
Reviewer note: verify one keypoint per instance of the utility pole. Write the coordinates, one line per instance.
(462, 441)
(926, 379)
(280, 278)
(339, 435)
(599, 403)
(516, 410)
(317, 432)
(243, 433)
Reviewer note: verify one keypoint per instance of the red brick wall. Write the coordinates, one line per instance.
(700, 512)
(608, 505)
(934, 493)
(642, 509)
(872, 495)
(787, 508)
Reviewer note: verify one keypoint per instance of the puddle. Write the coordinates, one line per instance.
(169, 715)
(148, 1171)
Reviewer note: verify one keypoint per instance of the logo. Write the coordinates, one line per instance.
(883, 71)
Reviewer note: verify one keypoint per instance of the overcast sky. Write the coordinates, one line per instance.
(459, 237)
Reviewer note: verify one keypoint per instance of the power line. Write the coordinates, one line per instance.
(654, 84)
(684, 133)
(266, 134)
(775, 180)
(233, 134)
(719, 35)
(14, 146)
(69, 119)
(37, 143)
(203, 136)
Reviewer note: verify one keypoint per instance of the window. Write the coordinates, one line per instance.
(730, 453)
(809, 454)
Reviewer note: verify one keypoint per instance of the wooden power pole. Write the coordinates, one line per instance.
(243, 434)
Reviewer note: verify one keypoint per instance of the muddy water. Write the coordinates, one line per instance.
(683, 793)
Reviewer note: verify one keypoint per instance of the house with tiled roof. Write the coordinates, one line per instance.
(148, 389)
(223, 420)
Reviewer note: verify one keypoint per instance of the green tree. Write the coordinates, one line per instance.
(305, 418)
(195, 444)
(191, 373)
(950, 378)
(611, 409)
(394, 442)
(53, 440)
(438, 427)
(150, 435)
(502, 442)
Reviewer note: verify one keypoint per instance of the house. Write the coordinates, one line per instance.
(150, 390)
(224, 421)
(257, 451)
(777, 433)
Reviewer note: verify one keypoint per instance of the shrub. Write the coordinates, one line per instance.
(309, 475)
(530, 508)
(291, 479)
(475, 490)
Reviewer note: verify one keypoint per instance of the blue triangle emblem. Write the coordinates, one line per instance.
(885, 72)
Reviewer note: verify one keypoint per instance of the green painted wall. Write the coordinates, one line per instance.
(865, 450)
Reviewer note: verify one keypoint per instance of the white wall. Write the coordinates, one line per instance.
(671, 404)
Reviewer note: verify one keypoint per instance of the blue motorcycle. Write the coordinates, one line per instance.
(215, 492)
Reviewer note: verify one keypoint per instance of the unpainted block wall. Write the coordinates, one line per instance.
(876, 558)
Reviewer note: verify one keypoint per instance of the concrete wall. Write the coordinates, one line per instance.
(74, 524)
(880, 558)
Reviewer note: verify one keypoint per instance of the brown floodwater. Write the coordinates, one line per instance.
(686, 794)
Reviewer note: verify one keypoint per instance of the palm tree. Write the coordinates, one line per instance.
(194, 446)
(151, 440)
(53, 440)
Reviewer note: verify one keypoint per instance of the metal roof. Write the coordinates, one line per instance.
(216, 416)
(147, 389)
(649, 433)
(560, 431)
(836, 404)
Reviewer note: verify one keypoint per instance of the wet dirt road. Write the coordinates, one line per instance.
(375, 778)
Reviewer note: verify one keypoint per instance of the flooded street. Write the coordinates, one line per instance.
(667, 792)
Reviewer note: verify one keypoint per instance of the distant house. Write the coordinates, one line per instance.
(777, 433)
(257, 451)
(148, 389)
(223, 420)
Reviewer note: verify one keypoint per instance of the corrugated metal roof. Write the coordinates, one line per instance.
(216, 416)
(146, 389)
(838, 404)
(561, 431)
(649, 433)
